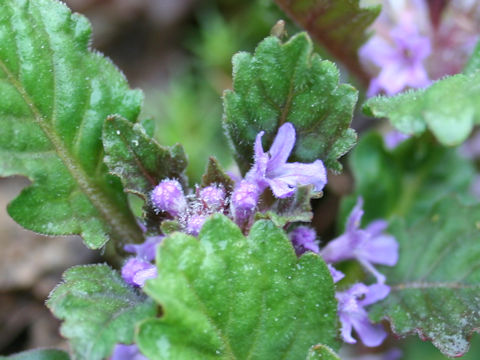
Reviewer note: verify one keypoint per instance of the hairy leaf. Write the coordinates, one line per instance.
(99, 310)
(406, 181)
(436, 283)
(322, 352)
(40, 354)
(449, 109)
(284, 82)
(137, 159)
(225, 296)
(338, 25)
(54, 97)
(214, 174)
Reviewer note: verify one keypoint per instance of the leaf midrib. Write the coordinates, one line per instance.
(114, 217)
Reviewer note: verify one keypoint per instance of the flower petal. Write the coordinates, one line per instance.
(375, 292)
(371, 335)
(295, 174)
(282, 146)
(382, 249)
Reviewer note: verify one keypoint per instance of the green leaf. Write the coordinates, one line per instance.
(473, 63)
(137, 159)
(216, 175)
(39, 354)
(338, 25)
(54, 97)
(287, 82)
(291, 209)
(322, 352)
(449, 109)
(436, 283)
(99, 310)
(225, 296)
(407, 181)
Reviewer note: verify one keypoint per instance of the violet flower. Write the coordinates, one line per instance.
(303, 240)
(368, 246)
(271, 169)
(168, 196)
(213, 197)
(401, 60)
(195, 224)
(244, 201)
(394, 138)
(352, 314)
(127, 352)
(147, 250)
(136, 271)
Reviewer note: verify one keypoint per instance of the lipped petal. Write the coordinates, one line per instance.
(355, 217)
(295, 174)
(381, 249)
(346, 330)
(375, 292)
(371, 335)
(339, 249)
(282, 146)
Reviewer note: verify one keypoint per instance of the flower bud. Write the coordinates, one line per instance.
(168, 196)
(213, 196)
(244, 201)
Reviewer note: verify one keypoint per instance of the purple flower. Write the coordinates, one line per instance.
(136, 271)
(272, 170)
(213, 197)
(147, 250)
(303, 240)
(368, 246)
(244, 201)
(353, 315)
(401, 60)
(127, 352)
(394, 138)
(337, 275)
(195, 223)
(168, 196)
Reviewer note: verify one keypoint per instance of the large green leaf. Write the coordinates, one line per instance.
(322, 352)
(99, 310)
(436, 283)
(287, 82)
(225, 296)
(338, 25)
(40, 354)
(406, 181)
(54, 97)
(137, 159)
(449, 108)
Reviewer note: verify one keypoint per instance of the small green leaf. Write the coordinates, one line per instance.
(99, 310)
(54, 97)
(406, 181)
(449, 109)
(39, 354)
(436, 283)
(288, 82)
(216, 175)
(291, 209)
(340, 26)
(225, 296)
(473, 63)
(137, 159)
(322, 352)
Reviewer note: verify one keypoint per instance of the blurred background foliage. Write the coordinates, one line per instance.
(179, 52)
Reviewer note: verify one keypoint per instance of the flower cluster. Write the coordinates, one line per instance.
(415, 41)
(368, 246)
(271, 170)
